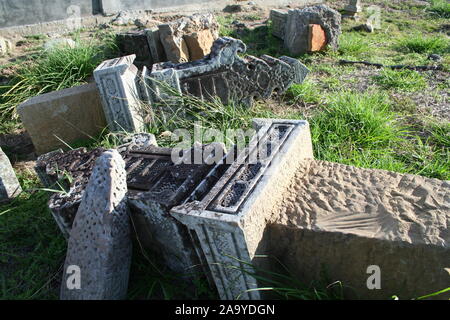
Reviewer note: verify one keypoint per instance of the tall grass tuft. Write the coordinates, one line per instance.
(424, 44)
(403, 80)
(56, 69)
(440, 8)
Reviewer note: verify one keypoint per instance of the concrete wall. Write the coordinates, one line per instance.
(25, 12)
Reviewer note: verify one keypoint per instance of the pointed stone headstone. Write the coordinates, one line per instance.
(99, 252)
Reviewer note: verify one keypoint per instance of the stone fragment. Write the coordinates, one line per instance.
(230, 220)
(226, 75)
(174, 45)
(136, 42)
(117, 81)
(100, 240)
(354, 6)
(346, 219)
(233, 8)
(73, 169)
(279, 20)
(56, 119)
(156, 184)
(199, 44)
(172, 34)
(317, 38)
(9, 185)
(5, 46)
(296, 38)
(155, 45)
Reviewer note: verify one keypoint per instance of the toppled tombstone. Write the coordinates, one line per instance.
(297, 30)
(354, 221)
(72, 169)
(117, 82)
(279, 20)
(229, 221)
(135, 42)
(63, 117)
(224, 74)
(156, 184)
(100, 241)
(9, 185)
(199, 29)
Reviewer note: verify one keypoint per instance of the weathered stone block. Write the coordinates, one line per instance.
(9, 185)
(63, 117)
(100, 240)
(156, 184)
(279, 20)
(296, 38)
(230, 220)
(342, 219)
(117, 81)
(317, 38)
(225, 75)
(155, 45)
(174, 45)
(354, 6)
(136, 42)
(199, 44)
(73, 169)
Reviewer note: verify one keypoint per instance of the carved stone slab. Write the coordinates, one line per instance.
(73, 169)
(279, 19)
(156, 184)
(225, 74)
(9, 185)
(229, 221)
(117, 82)
(100, 240)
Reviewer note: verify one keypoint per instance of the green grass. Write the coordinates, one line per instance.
(31, 247)
(424, 44)
(440, 8)
(53, 70)
(403, 80)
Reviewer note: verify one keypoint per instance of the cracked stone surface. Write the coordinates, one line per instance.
(100, 240)
(348, 218)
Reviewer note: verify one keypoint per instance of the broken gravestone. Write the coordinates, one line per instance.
(224, 74)
(72, 170)
(297, 30)
(188, 38)
(63, 117)
(100, 247)
(9, 185)
(117, 82)
(156, 184)
(229, 220)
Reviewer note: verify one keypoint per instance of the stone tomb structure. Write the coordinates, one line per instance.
(127, 93)
(226, 75)
(275, 199)
(302, 29)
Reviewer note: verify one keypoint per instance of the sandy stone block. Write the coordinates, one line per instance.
(199, 44)
(317, 38)
(64, 116)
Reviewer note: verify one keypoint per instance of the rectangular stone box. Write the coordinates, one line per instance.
(230, 220)
(63, 117)
(279, 20)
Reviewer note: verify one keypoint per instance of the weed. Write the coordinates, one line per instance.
(403, 80)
